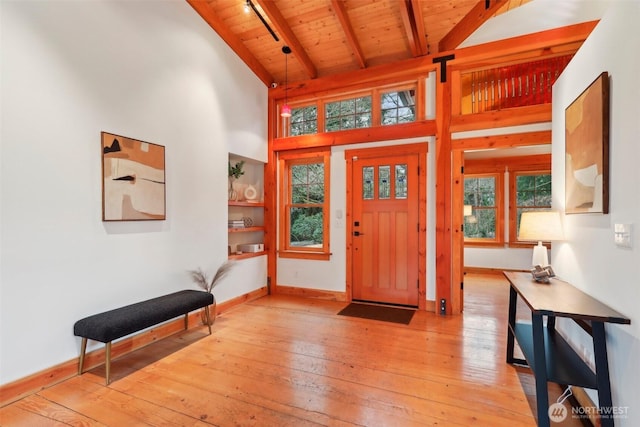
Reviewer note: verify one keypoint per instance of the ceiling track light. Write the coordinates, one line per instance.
(250, 6)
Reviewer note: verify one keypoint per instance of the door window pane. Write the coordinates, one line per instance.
(367, 183)
(384, 182)
(401, 181)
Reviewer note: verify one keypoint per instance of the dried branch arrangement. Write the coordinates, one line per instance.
(200, 278)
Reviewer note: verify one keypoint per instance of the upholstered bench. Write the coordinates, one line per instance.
(111, 325)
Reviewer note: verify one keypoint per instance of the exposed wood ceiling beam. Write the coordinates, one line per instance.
(488, 54)
(416, 39)
(407, 18)
(420, 30)
(283, 28)
(471, 22)
(341, 13)
(234, 42)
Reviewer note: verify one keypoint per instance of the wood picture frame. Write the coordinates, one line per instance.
(133, 179)
(587, 150)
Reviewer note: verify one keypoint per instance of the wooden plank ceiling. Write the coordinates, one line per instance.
(330, 37)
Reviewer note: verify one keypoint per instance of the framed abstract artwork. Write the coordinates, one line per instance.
(587, 150)
(133, 179)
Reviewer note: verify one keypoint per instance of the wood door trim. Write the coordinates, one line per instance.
(421, 150)
(387, 150)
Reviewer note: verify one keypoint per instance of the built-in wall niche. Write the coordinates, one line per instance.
(246, 208)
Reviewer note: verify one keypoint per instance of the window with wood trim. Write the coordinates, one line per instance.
(304, 204)
(304, 120)
(377, 106)
(350, 113)
(484, 193)
(398, 106)
(529, 191)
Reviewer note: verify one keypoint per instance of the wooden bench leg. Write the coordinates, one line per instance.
(107, 362)
(83, 349)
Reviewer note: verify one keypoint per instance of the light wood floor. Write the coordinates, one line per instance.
(285, 361)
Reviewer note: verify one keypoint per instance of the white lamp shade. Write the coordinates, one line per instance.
(541, 226)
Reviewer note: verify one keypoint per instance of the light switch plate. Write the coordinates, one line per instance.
(622, 235)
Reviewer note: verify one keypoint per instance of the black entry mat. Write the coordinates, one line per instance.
(378, 312)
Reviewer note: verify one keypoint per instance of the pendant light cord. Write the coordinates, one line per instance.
(286, 50)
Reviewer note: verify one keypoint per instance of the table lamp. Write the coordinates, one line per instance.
(541, 226)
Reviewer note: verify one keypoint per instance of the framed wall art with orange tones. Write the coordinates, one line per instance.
(133, 179)
(587, 150)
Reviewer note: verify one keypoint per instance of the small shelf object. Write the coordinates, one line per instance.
(245, 208)
(548, 355)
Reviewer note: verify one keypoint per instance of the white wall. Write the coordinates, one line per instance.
(537, 15)
(589, 259)
(152, 71)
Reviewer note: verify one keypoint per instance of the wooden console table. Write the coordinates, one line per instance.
(546, 352)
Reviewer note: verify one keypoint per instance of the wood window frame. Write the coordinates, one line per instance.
(284, 124)
(285, 161)
(530, 164)
(513, 207)
(499, 208)
(347, 97)
(300, 106)
(375, 92)
(377, 96)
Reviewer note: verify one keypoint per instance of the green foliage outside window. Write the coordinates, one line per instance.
(533, 192)
(480, 193)
(348, 114)
(304, 121)
(306, 226)
(307, 199)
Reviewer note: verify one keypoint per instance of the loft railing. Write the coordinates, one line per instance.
(512, 86)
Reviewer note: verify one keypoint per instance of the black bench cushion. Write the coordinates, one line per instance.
(114, 324)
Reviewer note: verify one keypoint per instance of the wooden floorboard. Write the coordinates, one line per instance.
(289, 361)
